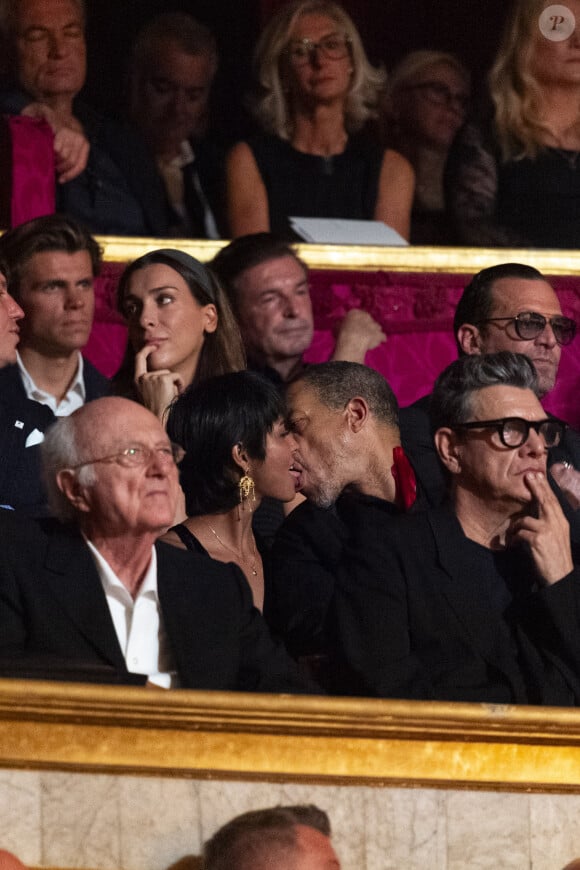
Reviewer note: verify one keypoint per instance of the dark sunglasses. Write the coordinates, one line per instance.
(514, 431)
(529, 325)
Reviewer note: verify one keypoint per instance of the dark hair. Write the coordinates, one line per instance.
(193, 38)
(476, 302)
(246, 252)
(336, 383)
(451, 398)
(208, 420)
(259, 837)
(54, 232)
(222, 350)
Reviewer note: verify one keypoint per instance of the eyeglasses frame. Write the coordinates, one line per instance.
(498, 426)
(516, 319)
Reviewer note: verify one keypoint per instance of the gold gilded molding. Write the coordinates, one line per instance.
(367, 258)
(287, 738)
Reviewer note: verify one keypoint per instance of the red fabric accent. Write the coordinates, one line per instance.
(33, 171)
(415, 311)
(405, 481)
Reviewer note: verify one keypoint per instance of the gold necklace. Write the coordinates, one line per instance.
(239, 555)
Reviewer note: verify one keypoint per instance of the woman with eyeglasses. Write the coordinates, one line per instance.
(317, 90)
(237, 451)
(181, 328)
(514, 180)
(426, 104)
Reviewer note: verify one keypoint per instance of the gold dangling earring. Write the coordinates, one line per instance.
(246, 488)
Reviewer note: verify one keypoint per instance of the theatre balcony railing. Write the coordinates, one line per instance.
(282, 738)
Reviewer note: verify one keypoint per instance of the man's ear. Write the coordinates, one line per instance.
(67, 482)
(469, 339)
(449, 449)
(356, 413)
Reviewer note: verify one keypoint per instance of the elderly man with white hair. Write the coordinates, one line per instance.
(98, 598)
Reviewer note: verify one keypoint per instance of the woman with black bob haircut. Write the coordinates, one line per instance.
(238, 451)
(181, 328)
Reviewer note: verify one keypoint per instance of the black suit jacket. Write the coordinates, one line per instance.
(417, 617)
(209, 165)
(20, 470)
(55, 621)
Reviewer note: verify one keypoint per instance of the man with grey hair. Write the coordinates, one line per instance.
(98, 598)
(284, 837)
(172, 68)
(478, 599)
(105, 175)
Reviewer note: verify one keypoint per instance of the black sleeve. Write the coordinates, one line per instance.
(372, 614)
(303, 562)
(471, 185)
(265, 666)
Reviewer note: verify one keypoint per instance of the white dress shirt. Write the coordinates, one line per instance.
(74, 398)
(138, 623)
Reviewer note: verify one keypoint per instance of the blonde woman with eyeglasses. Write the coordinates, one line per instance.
(515, 179)
(317, 90)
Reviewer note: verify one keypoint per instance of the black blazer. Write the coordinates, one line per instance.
(20, 469)
(55, 622)
(416, 617)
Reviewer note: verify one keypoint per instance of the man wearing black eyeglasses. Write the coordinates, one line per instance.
(477, 599)
(506, 307)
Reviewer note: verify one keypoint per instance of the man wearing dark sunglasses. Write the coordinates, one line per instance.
(506, 307)
(477, 599)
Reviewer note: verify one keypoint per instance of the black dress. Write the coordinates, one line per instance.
(306, 185)
(520, 202)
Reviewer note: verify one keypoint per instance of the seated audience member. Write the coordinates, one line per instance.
(8, 861)
(173, 64)
(97, 598)
(267, 284)
(10, 315)
(425, 105)
(476, 600)
(237, 450)
(506, 307)
(343, 417)
(52, 263)
(317, 92)
(513, 180)
(287, 838)
(181, 328)
(109, 182)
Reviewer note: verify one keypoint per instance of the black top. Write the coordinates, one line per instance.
(306, 185)
(422, 612)
(516, 202)
(191, 543)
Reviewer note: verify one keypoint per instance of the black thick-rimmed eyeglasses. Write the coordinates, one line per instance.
(138, 455)
(529, 325)
(334, 47)
(514, 431)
